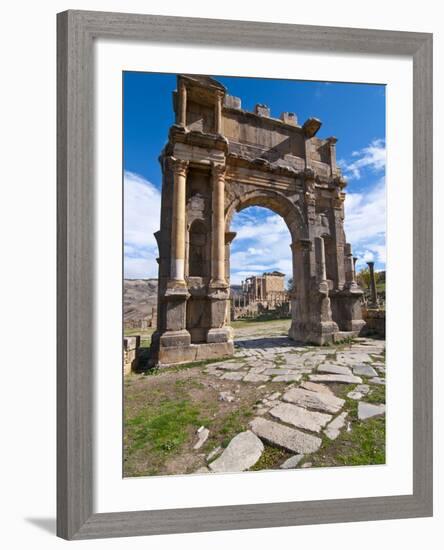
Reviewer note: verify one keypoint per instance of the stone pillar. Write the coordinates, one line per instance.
(374, 299)
(355, 259)
(321, 270)
(218, 112)
(349, 266)
(182, 105)
(332, 146)
(310, 304)
(218, 227)
(339, 242)
(177, 268)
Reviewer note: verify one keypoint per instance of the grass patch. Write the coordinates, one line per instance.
(364, 444)
(376, 395)
(270, 459)
(164, 429)
(158, 370)
(234, 423)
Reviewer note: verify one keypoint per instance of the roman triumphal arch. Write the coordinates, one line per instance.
(218, 160)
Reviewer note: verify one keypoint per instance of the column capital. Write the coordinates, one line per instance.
(218, 170)
(302, 244)
(178, 166)
(219, 94)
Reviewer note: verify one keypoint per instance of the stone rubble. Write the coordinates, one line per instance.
(291, 462)
(202, 436)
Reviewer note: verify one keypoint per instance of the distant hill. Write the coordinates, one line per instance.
(139, 298)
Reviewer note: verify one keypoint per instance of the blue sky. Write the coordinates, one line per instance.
(354, 113)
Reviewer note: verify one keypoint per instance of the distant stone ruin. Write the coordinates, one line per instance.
(261, 295)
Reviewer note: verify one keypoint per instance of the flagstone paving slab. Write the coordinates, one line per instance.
(367, 410)
(287, 378)
(334, 369)
(300, 417)
(377, 380)
(364, 370)
(282, 436)
(278, 371)
(332, 378)
(334, 428)
(252, 377)
(314, 400)
(356, 395)
(233, 375)
(312, 386)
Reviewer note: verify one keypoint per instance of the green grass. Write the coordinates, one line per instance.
(163, 429)
(156, 370)
(365, 444)
(271, 458)
(234, 423)
(376, 394)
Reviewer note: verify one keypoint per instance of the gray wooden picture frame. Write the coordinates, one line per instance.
(76, 32)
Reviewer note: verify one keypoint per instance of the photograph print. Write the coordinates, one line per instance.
(254, 258)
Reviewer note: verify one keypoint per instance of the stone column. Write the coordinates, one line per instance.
(218, 112)
(355, 259)
(182, 105)
(374, 300)
(349, 266)
(321, 270)
(332, 146)
(218, 227)
(177, 273)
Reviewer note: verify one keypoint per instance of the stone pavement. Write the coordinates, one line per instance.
(305, 410)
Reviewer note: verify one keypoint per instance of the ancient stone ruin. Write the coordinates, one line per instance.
(220, 159)
(259, 295)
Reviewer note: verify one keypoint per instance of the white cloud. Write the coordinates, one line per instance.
(141, 220)
(365, 224)
(262, 244)
(371, 157)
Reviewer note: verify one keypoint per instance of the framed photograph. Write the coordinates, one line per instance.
(244, 275)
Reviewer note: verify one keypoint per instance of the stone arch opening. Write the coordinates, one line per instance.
(259, 263)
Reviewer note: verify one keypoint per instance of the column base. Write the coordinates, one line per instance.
(313, 333)
(170, 356)
(175, 338)
(216, 335)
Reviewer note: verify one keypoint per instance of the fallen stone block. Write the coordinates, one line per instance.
(243, 451)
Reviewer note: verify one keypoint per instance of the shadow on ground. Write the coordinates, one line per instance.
(271, 342)
(45, 524)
